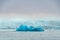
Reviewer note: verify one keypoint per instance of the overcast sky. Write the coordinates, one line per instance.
(29, 8)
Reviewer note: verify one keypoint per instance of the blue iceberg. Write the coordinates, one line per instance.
(22, 28)
(31, 28)
(38, 28)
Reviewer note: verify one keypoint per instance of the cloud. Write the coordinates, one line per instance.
(29, 8)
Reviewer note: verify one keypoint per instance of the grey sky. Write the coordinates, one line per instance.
(30, 7)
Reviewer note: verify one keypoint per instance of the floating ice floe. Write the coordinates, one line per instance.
(30, 28)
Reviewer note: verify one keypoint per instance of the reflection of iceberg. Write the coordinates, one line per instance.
(31, 28)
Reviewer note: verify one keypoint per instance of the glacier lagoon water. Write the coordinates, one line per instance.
(15, 35)
(13, 24)
(8, 31)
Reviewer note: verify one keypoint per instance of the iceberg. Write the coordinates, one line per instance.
(29, 28)
(22, 28)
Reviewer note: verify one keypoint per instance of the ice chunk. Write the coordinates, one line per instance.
(22, 28)
(31, 28)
